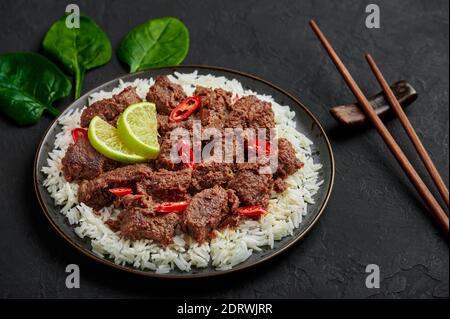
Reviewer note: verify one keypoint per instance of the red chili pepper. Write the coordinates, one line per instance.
(185, 108)
(251, 211)
(187, 154)
(121, 191)
(78, 133)
(260, 148)
(169, 207)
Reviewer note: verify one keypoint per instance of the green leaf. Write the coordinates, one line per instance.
(156, 43)
(29, 84)
(78, 49)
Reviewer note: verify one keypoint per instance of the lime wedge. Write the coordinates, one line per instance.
(137, 128)
(105, 140)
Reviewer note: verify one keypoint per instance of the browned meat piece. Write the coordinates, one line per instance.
(167, 186)
(252, 188)
(208, 174)
(142, 202)
(207, 210)
(165, 126)
(82, 161)
(258, 166)
(233, 202)
(279, 185)
(110, 109)
(213, 110)
(288, 163)
(95, 192)
(232, 219)
(127, 97)
(135, 225)
(164, 159)
(165, 94)
(167, 145)
(107, 109)
(250, 112)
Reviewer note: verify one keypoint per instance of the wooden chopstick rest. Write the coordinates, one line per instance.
(351, 114)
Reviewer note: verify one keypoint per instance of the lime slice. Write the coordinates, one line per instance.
(137, 128)
(105, 140)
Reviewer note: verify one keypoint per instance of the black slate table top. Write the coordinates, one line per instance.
(374, 217)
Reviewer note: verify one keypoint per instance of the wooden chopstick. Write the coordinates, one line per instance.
(436, 210)
(426, 159)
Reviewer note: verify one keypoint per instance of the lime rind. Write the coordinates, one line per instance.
(104, 138)
(137, 128)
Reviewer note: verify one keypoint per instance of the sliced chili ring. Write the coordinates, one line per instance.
(171, 207)
(262, 148)
(251, 211)
(121, 191)
(185, 108)
(187, 154)
(78, 133)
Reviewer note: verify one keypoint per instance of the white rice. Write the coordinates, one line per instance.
(229, 247)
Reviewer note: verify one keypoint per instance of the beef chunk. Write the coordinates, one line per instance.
(207, 210)
(232, 219)
(165, 126)
(110, 109)
(167, 145)
(167, 186)
(95, 192)
(164, 160)
(142, 202)
(135, 225)
(252, 188)
(208, 174)
(250, 112)
(279, 185)
(82, 161)
(107, 109)
(165, 94)
(127, 97)
(137, 220)
(233, 202)
(288, 163)
(213, 110)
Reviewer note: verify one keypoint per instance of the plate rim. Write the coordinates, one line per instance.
(169, 275)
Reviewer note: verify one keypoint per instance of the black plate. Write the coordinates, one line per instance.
(306, 123)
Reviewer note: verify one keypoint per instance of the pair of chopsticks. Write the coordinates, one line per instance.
(433, 205)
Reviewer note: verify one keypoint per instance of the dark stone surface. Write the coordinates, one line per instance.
(374, 216)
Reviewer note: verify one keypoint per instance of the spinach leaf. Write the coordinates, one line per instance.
(79, 49)
(156, 43)
(29, 83)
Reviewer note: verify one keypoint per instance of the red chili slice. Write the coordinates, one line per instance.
(187, 154)
(169, 207)
(78, 133)
(121, 191)
(251, 211)
(262, 148)
(185, 108)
